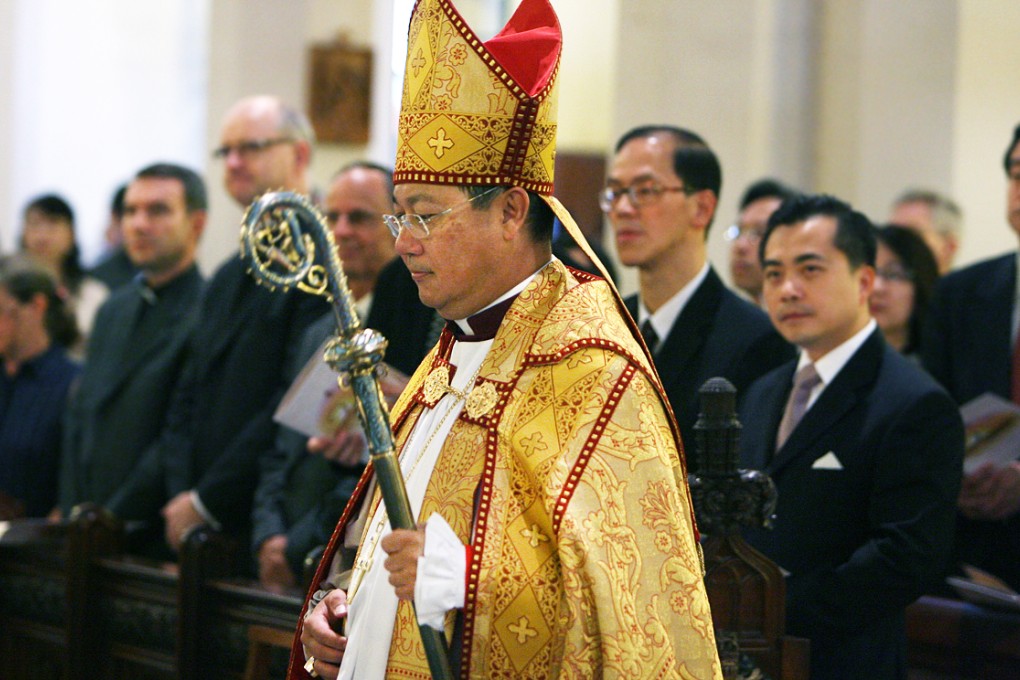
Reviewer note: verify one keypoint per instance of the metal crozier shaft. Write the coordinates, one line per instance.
(280, 236)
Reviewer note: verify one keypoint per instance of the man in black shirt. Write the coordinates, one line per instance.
(137, 349)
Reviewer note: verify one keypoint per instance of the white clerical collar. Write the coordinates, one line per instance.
(666, 315)
(513, 292)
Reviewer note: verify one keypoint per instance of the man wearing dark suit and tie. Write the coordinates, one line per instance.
(661, 194)
(204, 467)
(970, 346)
(138, 344)
(864, 448)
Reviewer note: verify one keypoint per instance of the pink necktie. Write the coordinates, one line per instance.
(805, 381)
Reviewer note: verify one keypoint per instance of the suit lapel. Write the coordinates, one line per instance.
(227, 313)
(993, 312)
(838, 398)
(631, 303)
(123, 338)
(776, 392)
(113, 373)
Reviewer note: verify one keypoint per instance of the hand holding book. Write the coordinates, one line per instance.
(992, 432)
(983, 588)
(317, 406)
(346, 447)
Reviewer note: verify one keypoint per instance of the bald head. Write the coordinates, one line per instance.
(264, 145)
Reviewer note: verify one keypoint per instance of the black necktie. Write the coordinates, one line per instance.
(650, 336)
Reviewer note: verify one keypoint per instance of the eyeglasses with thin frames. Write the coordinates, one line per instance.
(735, 231)
(418, 225)
(249, 147)
(640, 194)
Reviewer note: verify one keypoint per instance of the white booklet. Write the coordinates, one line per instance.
(316, 405)
(992, 431)
(981, 587)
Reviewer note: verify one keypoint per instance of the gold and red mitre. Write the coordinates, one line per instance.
(481, 113)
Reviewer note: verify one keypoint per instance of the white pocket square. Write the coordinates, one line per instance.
(827, 462)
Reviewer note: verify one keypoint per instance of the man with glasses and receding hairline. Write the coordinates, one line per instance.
(936, 218)
(265, 145)
(661, 195)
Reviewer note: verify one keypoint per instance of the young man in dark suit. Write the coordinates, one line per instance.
(864, 448)
(970, 347)
(661, 194)
(139, 343)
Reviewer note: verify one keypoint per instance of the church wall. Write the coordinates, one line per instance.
(856, 98)
(6, 129)
(987, 102)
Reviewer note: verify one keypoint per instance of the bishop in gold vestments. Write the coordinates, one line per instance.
(541, 443)
(584, 560)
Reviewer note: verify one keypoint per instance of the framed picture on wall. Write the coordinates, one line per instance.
(340, 93)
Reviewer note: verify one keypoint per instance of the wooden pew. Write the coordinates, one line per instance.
(32, 595)
(73, 605)
(955, 639)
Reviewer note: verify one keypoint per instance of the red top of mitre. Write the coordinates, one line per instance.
(438, 135)
(529, 45)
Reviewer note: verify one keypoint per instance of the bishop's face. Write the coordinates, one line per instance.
(454, 265)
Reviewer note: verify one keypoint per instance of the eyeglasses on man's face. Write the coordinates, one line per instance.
(736, 231)
(418, 225)
(249, 147)
(641, 194)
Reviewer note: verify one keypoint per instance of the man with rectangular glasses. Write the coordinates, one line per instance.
(661, 195)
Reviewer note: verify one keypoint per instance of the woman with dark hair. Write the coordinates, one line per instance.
(48, 237)
(35, 376)
(906, 272)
